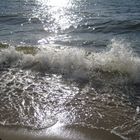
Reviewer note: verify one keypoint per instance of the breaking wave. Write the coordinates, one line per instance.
(76, 62)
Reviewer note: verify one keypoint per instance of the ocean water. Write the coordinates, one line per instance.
(69, 69)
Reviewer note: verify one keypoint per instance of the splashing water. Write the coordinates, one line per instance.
(76, 62)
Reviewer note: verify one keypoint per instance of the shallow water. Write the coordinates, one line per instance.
(70, 70)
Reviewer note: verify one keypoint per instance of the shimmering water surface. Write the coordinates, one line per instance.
(69, 69)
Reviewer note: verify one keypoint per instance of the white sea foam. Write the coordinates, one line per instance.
(120, 57)
(9, 57)
(77, 62)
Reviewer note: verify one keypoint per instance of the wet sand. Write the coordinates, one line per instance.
(59, 133)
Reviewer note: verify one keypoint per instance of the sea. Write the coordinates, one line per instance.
(70, 69)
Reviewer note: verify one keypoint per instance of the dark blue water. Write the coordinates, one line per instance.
(76, 23)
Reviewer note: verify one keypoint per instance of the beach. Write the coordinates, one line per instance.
(69, 70)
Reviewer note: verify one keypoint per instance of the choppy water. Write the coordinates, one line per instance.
(71, 70)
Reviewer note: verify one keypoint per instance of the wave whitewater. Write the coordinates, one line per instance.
(76, 62)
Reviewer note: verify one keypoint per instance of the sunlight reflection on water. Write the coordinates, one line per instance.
(61, 3)
(56, 17)
(57, 13)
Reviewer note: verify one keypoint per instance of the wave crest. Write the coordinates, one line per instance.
(76, 62)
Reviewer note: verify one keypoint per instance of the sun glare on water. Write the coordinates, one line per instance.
(55, 3)
(60, 3)
(56, 16)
